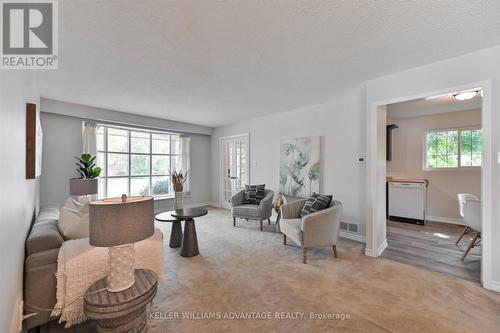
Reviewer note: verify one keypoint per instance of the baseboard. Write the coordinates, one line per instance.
(213, 204)
(444, 220)
(352, 236)
(378, 252)
(492, 285)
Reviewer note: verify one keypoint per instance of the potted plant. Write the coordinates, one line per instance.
(87, 183)
(178, 179)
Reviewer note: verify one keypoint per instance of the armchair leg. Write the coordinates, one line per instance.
(471, 245)
(305, 256)
(260, 224)
(462, 235)
(268, 220)
(234, 221)
(334, 248)
(284, 239)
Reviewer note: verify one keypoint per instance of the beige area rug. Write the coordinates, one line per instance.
(243, 271)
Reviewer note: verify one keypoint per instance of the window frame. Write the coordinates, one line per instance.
(459, 144)
(129, 154)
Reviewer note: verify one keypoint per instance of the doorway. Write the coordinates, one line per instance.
(234, 166)
(376, 195)
(433, 155)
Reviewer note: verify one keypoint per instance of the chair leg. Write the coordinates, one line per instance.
(284, 239)
(261, 225)
(305, 256)
(268, 220)
(471, 245)
(462, 235)
(234, 221)
(334, 248)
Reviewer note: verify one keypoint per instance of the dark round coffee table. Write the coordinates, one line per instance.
(189, 240)
(176, 232)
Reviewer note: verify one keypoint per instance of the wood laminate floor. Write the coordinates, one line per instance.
(433, 246)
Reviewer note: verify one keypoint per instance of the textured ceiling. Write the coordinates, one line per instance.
(215, 62)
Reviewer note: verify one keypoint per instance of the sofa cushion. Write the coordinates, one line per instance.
(254, 194)
(50, 213)
(74, 223)
(315, 202)
(43, 236)
(251, 211)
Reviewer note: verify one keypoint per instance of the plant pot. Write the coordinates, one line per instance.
(178, 204)
(78, 186)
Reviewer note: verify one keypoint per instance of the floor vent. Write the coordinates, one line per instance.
(349, 227)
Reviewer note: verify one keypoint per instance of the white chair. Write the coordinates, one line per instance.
(316, 229)
(470, 210)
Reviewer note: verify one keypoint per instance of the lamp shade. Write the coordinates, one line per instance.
(120, 221)
(79, 186)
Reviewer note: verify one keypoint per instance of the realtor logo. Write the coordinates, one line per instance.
(29, 34)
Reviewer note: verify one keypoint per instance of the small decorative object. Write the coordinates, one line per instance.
(300, 166)
(178, 180)
(87, 183)
(117, 223)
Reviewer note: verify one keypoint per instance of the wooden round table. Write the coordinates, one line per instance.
(123, 311)
(176, 231)
(189, 240)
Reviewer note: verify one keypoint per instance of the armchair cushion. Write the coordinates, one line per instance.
(254, 194)
(315, 202)
(246, 210)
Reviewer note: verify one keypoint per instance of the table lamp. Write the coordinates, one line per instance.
(117, 223)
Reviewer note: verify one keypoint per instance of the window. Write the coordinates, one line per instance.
(137, 161)
(453, 148)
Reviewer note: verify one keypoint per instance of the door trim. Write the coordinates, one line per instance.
(221, 163)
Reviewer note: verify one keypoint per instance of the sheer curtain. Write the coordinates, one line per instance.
(185, 158)
(89, 138)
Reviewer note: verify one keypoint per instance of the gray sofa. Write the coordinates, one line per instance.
(40, 266)
(252, 212)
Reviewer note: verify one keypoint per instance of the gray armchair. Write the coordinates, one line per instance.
(313, 230)
(252, 212)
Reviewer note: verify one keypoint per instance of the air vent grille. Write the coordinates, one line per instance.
(349, 227)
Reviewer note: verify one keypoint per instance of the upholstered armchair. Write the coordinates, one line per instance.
(470, 210)
(252, 212)
(313, 230)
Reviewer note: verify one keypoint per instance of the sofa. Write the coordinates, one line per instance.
(258, 212)
(40, 266)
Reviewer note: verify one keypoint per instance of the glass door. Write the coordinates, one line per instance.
(234, 167)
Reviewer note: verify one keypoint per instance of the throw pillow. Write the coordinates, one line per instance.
(254, 194)
(315, 202)
(74, 222)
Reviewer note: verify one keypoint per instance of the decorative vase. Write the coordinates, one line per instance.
(178, 200)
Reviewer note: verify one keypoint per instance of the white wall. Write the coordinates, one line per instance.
(18, 196)
(341, 125)
(456, 72)
(407, 161)
(63, 140)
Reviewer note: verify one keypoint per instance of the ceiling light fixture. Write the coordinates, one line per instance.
(465, 95)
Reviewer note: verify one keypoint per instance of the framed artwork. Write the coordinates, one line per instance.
(34, 138)
(300, 166)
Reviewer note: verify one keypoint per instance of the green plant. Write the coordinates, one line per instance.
(86, 167)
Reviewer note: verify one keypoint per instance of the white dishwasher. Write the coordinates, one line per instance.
(407, 201)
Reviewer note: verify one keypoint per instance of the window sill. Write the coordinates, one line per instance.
(168, 197)
(475, 168)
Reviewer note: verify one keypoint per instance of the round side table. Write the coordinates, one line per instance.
(123, 311)
(176, 232)
(189, 240)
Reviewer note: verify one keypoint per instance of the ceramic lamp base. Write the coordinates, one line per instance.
(121, 264)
